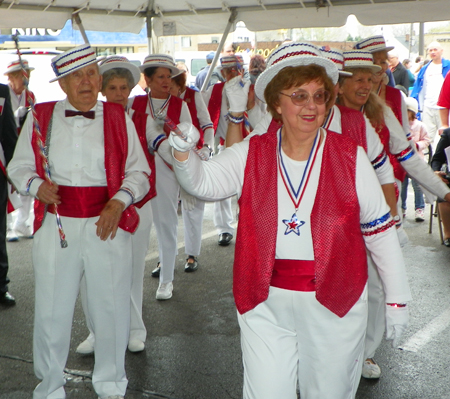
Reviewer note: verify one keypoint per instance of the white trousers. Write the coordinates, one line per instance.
(291, 338)
(140, 241)
(165, 217)
(20, 216)
(431, 118)
(223, 216)
(106, 265)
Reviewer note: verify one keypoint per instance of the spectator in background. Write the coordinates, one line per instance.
(444, 102)
(229, 49)
(419, 137)
(428, 86)
(418, 64)
(407, 64)
(400, 73)
(201, 76)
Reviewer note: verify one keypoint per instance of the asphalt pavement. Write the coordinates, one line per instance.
(192, 348)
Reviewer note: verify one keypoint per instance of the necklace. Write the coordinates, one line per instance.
(158, 116)
(293, 224)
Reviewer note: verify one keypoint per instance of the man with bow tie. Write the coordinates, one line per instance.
(96, 171)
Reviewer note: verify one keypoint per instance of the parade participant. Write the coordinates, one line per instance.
(159, 103)
(120, 76)
(419, 137)
(8, 139)
(376, 45)
(85, 184)
(356, 92)
(301, 303)
(256, 108)
(192, 208)
(216, 99)
(17, 224)
(428, 86)
(228, 50)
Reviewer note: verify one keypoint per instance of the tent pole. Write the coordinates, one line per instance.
(149, 26)
(230, 23)
(422, 49)
(77, 19)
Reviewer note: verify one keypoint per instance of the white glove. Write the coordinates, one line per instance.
(20, 112)
(184, 145)
(237, 94)
(205, 152)
(402, 236)
(188, 201)
(396, 322)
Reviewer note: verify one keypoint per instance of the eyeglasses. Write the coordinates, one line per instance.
(302, 97)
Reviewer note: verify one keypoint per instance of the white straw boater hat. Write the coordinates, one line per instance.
(231, 61)
(16, 66)
(160, 60)
(291, 55)
(116, 61)
(71, 60)
(360, 59)
(373, 44)
(337, 56)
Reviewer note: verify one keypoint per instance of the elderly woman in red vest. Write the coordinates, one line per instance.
(158, 70)
(310, 205)
(356, 92)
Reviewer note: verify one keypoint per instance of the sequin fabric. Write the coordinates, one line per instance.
(353, 125)
(257, 229)
(339, 249)
(377, 226)
(116, 152)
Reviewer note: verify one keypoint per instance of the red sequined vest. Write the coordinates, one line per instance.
(353, 125)
(116, 151)
(140, 122)
(339, 250)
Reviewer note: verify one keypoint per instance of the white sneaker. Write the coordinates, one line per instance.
(86, 347)
(164, 291)
(420, 216)
(11, 236)
(135, 345)
(370, 369)
(23, 230)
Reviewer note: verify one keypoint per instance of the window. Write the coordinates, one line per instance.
(185, 41)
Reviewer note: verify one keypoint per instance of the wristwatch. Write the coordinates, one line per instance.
(397, 220)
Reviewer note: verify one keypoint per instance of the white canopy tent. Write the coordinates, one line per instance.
(175, 17)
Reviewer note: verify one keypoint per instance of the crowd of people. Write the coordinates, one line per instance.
(307, 137)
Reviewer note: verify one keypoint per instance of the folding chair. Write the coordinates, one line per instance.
(434, 212)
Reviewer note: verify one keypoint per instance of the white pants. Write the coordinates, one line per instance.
(432, 120)
(21, 215)
(292, 338)
(165, 217)
(223, 216)
(106, 265)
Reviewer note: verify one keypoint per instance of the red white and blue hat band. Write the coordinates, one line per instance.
(160, 61)
(17, 66)
(337, 57)
(72, 60)
(119, 62)
(360, 59)
(292, 55)
(231, 61)
(373, 44)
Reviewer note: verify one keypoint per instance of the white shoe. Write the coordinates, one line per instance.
(135, 345)
(22, 230)
(370, 369)
(86, 347)
(420, 215)
(112, 397)
(11, 236)
(164, 291)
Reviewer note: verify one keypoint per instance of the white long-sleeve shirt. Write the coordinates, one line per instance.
(223, 176)
(77, 155)
(384, 172)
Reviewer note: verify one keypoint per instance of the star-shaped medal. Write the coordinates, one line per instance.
(293, 225)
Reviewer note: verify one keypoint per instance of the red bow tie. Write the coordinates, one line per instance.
(88, 114)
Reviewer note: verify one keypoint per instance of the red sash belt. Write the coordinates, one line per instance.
(294, 275)
(81, 202)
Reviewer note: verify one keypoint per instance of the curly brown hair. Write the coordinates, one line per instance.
(295, 77)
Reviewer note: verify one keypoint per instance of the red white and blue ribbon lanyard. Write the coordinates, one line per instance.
(293, 224)
(326, 124)
(158, 116)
